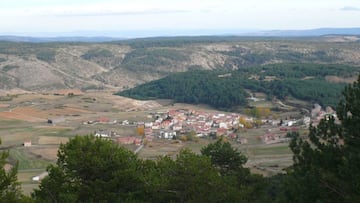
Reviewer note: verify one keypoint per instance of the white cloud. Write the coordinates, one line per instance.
(350, 8)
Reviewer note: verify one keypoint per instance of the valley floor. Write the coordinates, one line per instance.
(33, 125)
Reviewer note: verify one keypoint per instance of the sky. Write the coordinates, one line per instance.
(116, 17)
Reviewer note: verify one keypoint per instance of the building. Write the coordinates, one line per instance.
(129, 140)
(40, 176)
(27, 143)
(103, 120)
(103, 133)
(167, 134)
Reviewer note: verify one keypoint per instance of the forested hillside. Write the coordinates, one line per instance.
(225, 89)
(128, 63)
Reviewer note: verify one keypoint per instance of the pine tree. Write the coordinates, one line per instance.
(327, 164)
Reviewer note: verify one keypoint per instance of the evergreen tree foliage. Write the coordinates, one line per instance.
(10, 190)
(91, 169)
(245, 187)
(227, 89)
(327, 164)
(223, 156)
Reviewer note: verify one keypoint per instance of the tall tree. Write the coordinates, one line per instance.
(190, 178)
(229, 161)
(223, 156)
(348, 112)
(327, 164)
(91, 169)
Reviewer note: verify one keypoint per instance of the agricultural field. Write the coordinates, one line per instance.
(48, 119)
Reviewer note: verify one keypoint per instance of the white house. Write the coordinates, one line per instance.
(27, 143)
(103, 134)
(167, 134)
(40, 176)
(148, 124)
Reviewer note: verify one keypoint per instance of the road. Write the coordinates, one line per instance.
(138, 149)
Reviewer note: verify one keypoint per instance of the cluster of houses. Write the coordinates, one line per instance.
(272, 138)
(175, 122)
(287, 126)
(317, 113)
(169, 124)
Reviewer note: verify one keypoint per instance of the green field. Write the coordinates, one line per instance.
(27, 160)
(276, 149)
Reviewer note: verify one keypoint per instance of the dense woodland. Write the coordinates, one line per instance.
(226, 89)
(89, 169)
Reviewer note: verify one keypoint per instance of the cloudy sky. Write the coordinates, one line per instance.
(51, 17)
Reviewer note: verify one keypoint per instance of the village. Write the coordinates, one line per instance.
(153, 130)
(34, 128)
(188, 125)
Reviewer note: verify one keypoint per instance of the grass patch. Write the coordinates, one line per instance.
(27, 161)
(57, 132)
(28, 188)
(6, 124)
(24, 176)
(55, 140)
(196, 146)
(276, 149)
(262, 103)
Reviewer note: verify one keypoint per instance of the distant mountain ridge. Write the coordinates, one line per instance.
(12, 38)
(310, 32)
(93, 36)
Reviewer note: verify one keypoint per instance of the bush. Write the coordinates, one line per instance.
(97, 53)
(10, 67)
(47, 56)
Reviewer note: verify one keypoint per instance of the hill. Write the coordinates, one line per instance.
(227, 89)
(124, 64)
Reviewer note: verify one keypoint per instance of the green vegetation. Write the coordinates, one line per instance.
(148, 59)
(326, 166)
(8, 124)
(227, 89)
(193, 87)
(92, 87)
(178, 41)
(92, 169)
(97, 53)
(47, 56)
(141, 60)
(26, 161)
(25, 48)
(278, 150)
(7, 98)
(10, 67)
